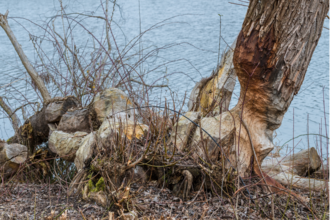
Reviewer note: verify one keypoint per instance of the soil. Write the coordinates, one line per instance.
(44, 201)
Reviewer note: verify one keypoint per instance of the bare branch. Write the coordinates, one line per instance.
(25, 61)
(14, 119)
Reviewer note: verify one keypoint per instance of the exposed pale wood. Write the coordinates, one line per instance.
(213, 94)
(125, 128)
(11, 156)
(222, 130)
(182, 132)
(303, 163)
(25, 61)
(271, 57)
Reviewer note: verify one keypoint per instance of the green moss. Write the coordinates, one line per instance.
(90, 185)
(100, 185)
(9, 140)
(93, 168)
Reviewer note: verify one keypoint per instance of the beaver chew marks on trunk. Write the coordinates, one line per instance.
(271, 57)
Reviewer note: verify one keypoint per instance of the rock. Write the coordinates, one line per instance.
(112, 101)
(85, 151)
(65, 144)
(183, 131)
(75, 120)
(127, 128)
(11, 156)
(58, 107)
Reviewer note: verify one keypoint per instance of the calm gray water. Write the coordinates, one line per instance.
(197, 32)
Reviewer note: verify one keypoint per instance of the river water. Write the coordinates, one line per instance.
(195, 30)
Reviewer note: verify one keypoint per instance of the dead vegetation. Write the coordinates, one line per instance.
(103, 151)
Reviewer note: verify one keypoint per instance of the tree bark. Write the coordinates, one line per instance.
(25, 61)
(271, 57)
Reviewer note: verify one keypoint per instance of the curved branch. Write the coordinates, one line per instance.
(11, 114)
(29, 68)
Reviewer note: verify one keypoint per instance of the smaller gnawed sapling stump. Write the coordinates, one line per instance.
(11, 156)
(296, 170)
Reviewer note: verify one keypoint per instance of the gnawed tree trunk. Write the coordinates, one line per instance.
(11, 156)
(210, 96)
(271, 57)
